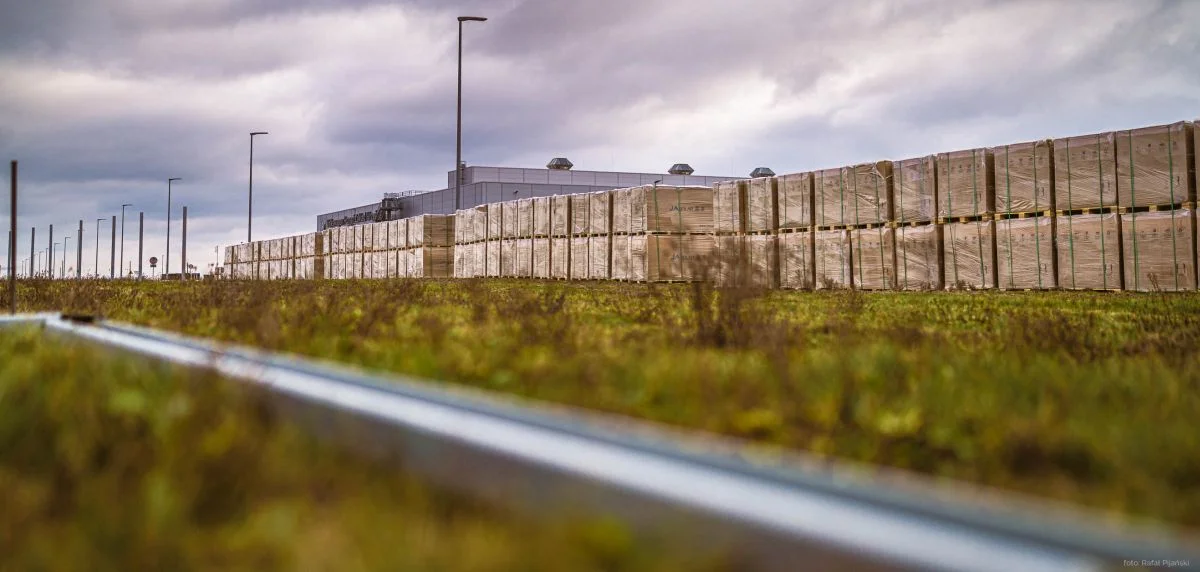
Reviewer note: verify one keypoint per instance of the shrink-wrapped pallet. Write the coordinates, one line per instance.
(560, 215)
(307, 245)
(600, 212)
(829, 198)
(355, 265)
(599, 248)
(873, 256)
(431, 230)
(1089, 251)
(289, 247)
(541, 216)
(509, 219)
(524, 258)
(1085, 172)
(968, 254)
(1023, 177)
(729, 265)
(620, 256)
(524, 218)
(480, 266)
(671, 209)
(918, 257)
(508, 257)
(341, 239)
(479, 223)
(358, 238)
(915, 189)
(663, 258)
(560, 258)
(272, 250)
(762, 258)
(381, 236)
(379, 264)
(337, 266)
(1158, 250)
(580, 258)
(761, 205)
(581, 214)
(495, 221)
(729, 207)
(966, 183)
(621, 221)
(860, 194)
(397, 234)
(1025, 253)
(394, 269)
(541, 257)
(795, 260)
(462, 227)
(431, 261)
(1153, 165)
(831, 260)
(795, 200)
(492, 258)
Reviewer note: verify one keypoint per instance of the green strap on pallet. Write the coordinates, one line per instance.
(1133, 203)
(900, 217)
(974, 186)
(1071, 219)
(1171, 178)
(1100, 174)
(1037, 233)
(1008, 208)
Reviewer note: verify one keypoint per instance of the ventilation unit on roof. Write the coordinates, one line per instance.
(681, 169)
(761, 172)
(560, 164)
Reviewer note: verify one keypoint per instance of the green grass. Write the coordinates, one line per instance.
(1091, 398)
(113, 463)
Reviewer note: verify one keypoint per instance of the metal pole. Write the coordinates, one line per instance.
(141, 236)
(458, 131)
(112, 251)
(250, 197)
(12, 240)
(62, 266)
(32, 258)
(50, 255)
(79, 253)
(96, 266)
(123, 237)
(167, 262)
(185, 268)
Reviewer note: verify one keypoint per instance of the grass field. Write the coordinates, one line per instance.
(108, 463)
(1091, 398)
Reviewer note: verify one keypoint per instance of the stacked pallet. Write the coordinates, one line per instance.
(966, 203)
(430, 252)
(670, 233)
(494, 242)
(581, 224)
(1025, 223)
(916, 234)
(1088, 245)
(600, 235)
(470, 242)
(541, 237)
(729, 228)
(560, 237)
(794, 202)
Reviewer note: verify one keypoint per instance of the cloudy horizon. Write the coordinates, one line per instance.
(102, 102)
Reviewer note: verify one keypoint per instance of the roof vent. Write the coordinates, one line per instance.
(681, 169)
(761, 172)
(560, 164)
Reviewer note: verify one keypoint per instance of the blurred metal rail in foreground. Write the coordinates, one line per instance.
(766, 516)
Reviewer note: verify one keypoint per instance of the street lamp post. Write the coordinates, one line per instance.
(250, 199)
(458, 139)
(123, 236)
(168, 256)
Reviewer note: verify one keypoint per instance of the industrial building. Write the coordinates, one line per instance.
(482, 185)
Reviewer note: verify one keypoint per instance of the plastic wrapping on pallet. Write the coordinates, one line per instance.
(598, 257)
(381, 236)
(660, 258)
(729, 212)
(966, 183)
(1025, 253)
(620, 257)
(671, 209)
(541, 217)
(491, 254)
(379, 264)
(508, 257)
(508, 219)
(1159, 250)
(495, 221)
(1153, 165)
(873, 256)
(621, 210)
(1085, 172)
(829, 198)
(560, 258)
(524, 218)
(541, 256)
(366, 237)
(761, 204)
(393, 267)
(430, 230)
(860, 194)
(273, 249)
(1023, 177)
(431, 261)
(581, 214)
(918, 258)
(560, 215)
(794, 193)
(729, 260)
(795, 260)
(580, 258)
(600, 212)
(523, 258)
(762, 257)
(479, 223)
(831, 260)
(307, 244)
(968, 254)
(914, 189)
(1089, 252)
(462, 226)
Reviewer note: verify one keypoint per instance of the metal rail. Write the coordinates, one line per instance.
(767, 517)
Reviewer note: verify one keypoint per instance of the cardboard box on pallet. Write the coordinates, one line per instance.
(394, 269)
(829, 198)
(665, 258)
(581, 214)
(525, 218)
(541, 218)
(560, 258)
(598, 257)
(762, 204)
(729, 210)
(729, 267)
(560, 215)
(671, 209)
(795, 260)
(762, 252)
(620, 257)
(492, 258)
(380, 233)
(860, 194)
(795, 198)
(541, 255)
(508, 219)
(580, 258)
(966, 183)
(495, 221)
(873, 256)
(1158, 250)
(621, 210)
(1154, 165)
(915, 189)
(1085, 172)
(1024, 175)
(508, 257)
(523, 259)
(379, 264)
(969, 255)
(918, 257)
(600, 212)
(430, 262)
(479, 224)
(1025, 253)
(832, 259)
(431, 230)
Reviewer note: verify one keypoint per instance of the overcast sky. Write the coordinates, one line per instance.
(103, 100)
